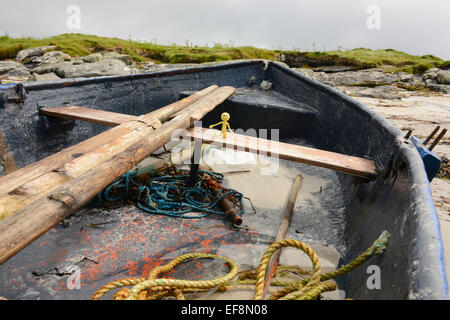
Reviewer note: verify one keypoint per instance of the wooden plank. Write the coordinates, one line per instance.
(282, 231)
(26, 225)
(88, 114)
(49, 181)
(9, 183)
(360, 167)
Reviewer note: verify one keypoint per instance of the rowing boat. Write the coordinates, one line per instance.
(361, 176)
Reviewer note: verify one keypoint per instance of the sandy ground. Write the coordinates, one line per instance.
(422, 113)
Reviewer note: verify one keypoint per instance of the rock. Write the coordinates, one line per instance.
(435, 86)
(385, 92)
(52, 67)
(107, 67)
(13, 68)
(26, 53)
(333, 69)
(51, 57)
(321, 77)
(403, 77)
(13, 71)
(417, 81)
(77, 61)
(304, 71)
(369, 77)
(125, 58)
(45, 77)
(430, 74)
(443, 77)
(318, 76)
(134, 70)
(95, 57)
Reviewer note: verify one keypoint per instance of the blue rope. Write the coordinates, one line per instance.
(168, 195)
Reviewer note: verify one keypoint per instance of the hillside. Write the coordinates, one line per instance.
(78, 45)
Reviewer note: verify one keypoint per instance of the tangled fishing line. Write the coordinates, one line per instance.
(168, 193)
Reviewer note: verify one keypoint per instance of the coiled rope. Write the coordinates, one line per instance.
(169, 194)
(306, 289)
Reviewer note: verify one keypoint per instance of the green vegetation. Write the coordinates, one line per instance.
(366, 58)
(78, 45)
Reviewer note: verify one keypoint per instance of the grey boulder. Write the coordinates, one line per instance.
(27, 53)
(48, 58)
(443, 77)
(125, 58)
(14, 69)
(45, 77)
(370, 77)
(67, 69)
(430, 74)
(96, 57)
(318, 76)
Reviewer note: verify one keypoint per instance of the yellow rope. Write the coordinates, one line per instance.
(307, 289)
(152, 284)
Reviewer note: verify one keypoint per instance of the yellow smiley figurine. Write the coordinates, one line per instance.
(225, 125)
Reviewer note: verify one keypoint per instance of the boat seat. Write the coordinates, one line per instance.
(264, 99)
(249, 108)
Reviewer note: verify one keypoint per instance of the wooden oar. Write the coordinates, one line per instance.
(26, 225)
(282, 230)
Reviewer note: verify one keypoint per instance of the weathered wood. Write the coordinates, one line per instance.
(39, 187)
(6, 159)
(283, 229)
(348, 164)
(18, 178)
(89, 115)
(26, 225)
(44, 184)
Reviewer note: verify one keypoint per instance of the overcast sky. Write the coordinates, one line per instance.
(415, 26)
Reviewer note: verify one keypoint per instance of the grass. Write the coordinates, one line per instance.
(367, 58)
(78, 45)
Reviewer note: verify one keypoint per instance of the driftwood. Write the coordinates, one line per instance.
(123, 153)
